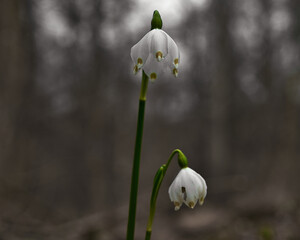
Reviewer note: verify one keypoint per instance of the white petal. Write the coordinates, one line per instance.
(175, 192)
(159, 44)
(173, 53)
(191, 184)
(202, 187)
(203, 193)
(172, 192)
(140, 51)
(152, 68)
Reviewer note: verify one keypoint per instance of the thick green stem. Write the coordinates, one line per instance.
(148, 235)
(156, 186)
(144, 86)
(136, 160)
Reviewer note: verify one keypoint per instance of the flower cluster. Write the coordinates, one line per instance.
(154, 52)
(188, 187)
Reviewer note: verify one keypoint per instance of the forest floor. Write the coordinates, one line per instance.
(241, 217)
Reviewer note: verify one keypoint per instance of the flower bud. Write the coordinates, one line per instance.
(156, 20)
(182, 160)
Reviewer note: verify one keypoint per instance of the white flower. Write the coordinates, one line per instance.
(188, 187)
(153, 52)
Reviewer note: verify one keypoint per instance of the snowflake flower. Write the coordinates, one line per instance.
(188, 187)
(154, 52)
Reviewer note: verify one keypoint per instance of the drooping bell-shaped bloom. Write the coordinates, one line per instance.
(188, 187)
(154, 52)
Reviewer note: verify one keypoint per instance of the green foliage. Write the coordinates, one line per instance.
(266, 233)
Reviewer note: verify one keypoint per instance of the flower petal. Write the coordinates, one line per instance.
(159, 44)
(175, 192)
(152, 68)
(173, 52)
(202, 187)
(140, 51)
(173, 57)
(191, 184)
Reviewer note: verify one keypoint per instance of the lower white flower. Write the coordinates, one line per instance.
(188, 187)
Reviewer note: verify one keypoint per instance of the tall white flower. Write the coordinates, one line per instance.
(188, 187)
(154, 52)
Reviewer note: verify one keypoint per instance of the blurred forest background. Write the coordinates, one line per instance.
(68, 109)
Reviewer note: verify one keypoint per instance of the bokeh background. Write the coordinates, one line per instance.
(68, 110)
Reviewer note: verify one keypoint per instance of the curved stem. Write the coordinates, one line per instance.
(136, 160)
(156, 186)
(171, 156)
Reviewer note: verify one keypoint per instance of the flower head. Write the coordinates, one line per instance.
(188, 187)
(155, 51)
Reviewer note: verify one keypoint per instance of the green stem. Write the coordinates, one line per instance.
(136, 160)
(156, 186)
(148, 235)
(144, 86)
